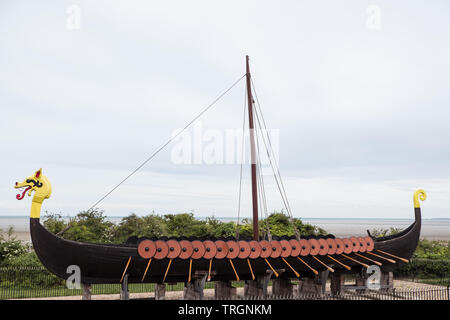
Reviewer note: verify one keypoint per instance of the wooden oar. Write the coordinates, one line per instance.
(293, 270)
(328, 267)
(126, 267)
(371, 260)
(354, 260)
(344, 265)
(209, 270)
(381, 257)
(274, 272)
(167, 270)
(311, 268)
(148, 265)
(251, 270)
(232, 265)
(190, 269)
(394, 256)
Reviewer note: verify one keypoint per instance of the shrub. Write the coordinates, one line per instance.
(132, 225)
(438, 250)
(54, 222)
(384, 232)
(90, 226)
(224, 229)
(184, 224)
(11, 247)
(28, 259)
(425, 268)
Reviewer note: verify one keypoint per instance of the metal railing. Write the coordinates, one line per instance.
(442, 293)
(38, 282)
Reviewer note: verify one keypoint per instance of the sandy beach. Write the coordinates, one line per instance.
(21, 235)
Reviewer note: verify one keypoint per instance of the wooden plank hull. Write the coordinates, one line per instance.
(105, 263)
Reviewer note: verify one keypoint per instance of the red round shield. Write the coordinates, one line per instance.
(174, 249)
(315, 247)
(222, 249)
(147, 249)
(255, 249)
(186, 249)
(331, 246)
(348, 246)
(362, 245)
(233, 249)
(266, 249)
(210, 249)
(276, 249)
(286, 248)
(244, 249)
(323, 245)
(340, 245)
(355, 243)
(199, 249)
(305, 246)
(370, 243)
(296, 248)
(161, 249)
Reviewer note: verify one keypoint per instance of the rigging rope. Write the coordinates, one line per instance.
(273, 170)
(282, 188)
(168, 142)
(288, 208)
(262, 191)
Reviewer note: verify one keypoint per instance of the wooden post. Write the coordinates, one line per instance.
(308, 286)
(124, 293)
(282, 287)
(387, 281)
(224, 290)
(337, 283)
(323, 279)
(258, 287)
(160, 291)
(87, 291)
(194, 290)
(361, 281)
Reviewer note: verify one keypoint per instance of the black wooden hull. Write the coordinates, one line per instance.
(105, 263)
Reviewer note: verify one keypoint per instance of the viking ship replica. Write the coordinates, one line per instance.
(170, 260)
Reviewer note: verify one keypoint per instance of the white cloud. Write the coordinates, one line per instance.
(363, 115)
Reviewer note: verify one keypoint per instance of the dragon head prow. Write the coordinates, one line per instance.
(37, 183)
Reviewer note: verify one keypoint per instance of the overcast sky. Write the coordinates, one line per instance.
(358, 92)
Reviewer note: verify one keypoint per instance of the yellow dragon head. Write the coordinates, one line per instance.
(37, 183)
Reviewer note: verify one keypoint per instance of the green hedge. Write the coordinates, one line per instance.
(425, 269)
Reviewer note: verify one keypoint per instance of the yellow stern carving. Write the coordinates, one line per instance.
(419, 194)
(40, 185)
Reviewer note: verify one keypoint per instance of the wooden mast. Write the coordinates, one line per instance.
(252, 153)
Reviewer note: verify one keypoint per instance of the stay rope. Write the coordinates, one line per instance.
(277, 174)
(262, 191)
(168, 142)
